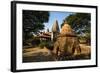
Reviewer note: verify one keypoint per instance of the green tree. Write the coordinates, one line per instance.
(80, 22)
(33, 22)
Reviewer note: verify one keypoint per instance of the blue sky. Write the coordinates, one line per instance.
(59, 16)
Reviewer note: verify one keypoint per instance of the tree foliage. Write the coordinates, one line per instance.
(33, 22)
(80, 22)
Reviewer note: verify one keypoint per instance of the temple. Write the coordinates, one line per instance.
(66, 30)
